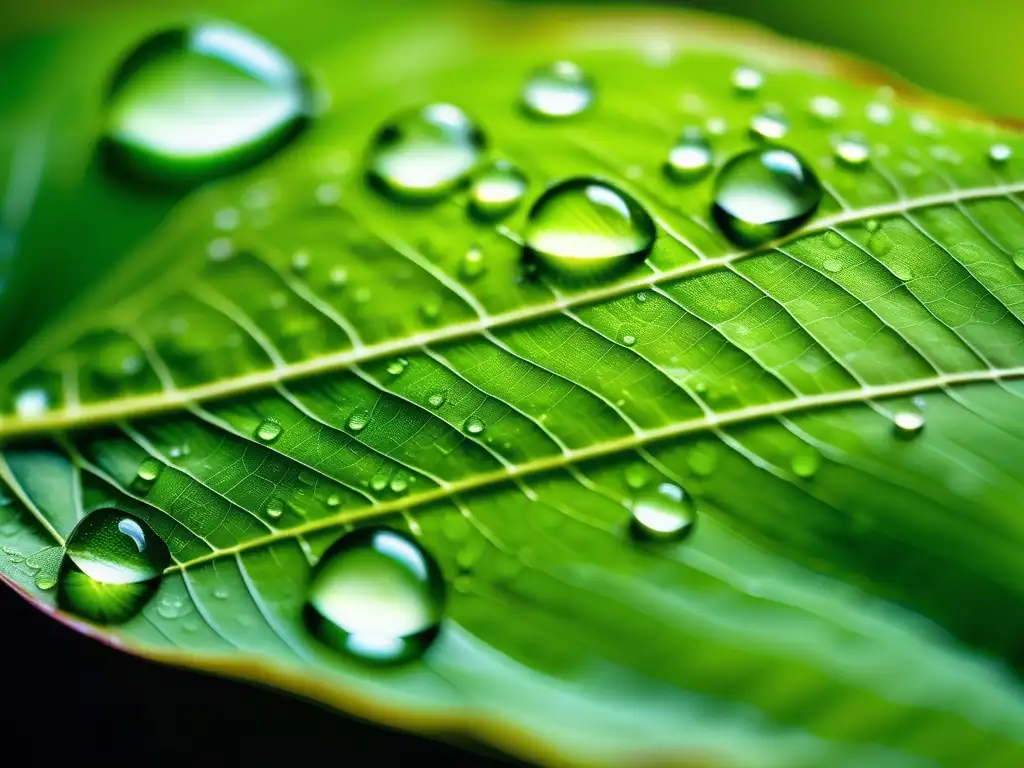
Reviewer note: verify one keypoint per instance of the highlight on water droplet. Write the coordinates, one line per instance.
(557, 91)
(852, 150)
(908, 424)
(747, 81)
(377, 596)
(268, 431)
(690, 158)
(474, 425)
(113, 562)
(999, 154)
(194, 103)
(421, 155)
(662, 514)
(583, 228)
(497, 191)
(31, 403)
(763, 194)
(769, 124)
(826, 109)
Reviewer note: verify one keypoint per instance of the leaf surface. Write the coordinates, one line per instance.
(847, 598)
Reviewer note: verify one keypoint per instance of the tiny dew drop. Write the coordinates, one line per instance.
(826, 109)
(474, 425)
(358, 420)
(636, 476)
(806, 464)
(879, 113)
(379, 481)
(690, 158)
(422, 154)
(763, 194)
(112, 566)
(436, 399)
(497, 191)
(268, 431)
(399, 485)
(663, 514)
(194, 103)
(908, 424)
(769, 124)
(747, 81)
(586, 228)
(557, 91)
(999, 154)
(274, 508)
(629, 340)
(852, 151)
(397, 367)
(376, 595)
(472, 265)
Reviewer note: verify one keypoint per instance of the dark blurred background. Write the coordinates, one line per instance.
(78, 697)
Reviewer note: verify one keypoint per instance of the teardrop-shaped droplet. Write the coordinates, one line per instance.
(191, 104)
(268, 431)
(690, 158)
(747, 81)
(376, 595)
(475, 425)
(497, 191)
(852, 151)
(558, 90)
(113, 564)
(584, 228)
(769, 124)
(908, 424)
(999, 154)
(763, 194)
(662, 514)
(422, 154)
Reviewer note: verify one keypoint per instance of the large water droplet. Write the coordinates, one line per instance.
(908, 424)
(475, 425)
(497, 191)
(690, 159)
(190, 104)
(763, 194)
(268, 431)
(662, 514)
(358, 420)
(586, 228)
(422, 154)
(376, 595)
(558, 90)
(112, 565)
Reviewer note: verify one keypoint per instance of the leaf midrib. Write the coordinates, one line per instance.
(170, 399)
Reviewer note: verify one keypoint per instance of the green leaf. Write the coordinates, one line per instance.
(847, 597)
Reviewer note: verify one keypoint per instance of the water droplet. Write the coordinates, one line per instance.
(497, 191)
(112, 565)
(300, 262)
(716, 126)
(703, 459)
(662, 514)
(852, 151)
(472, 265)
(834, 240)
(806, 463)
(146, 476)
(376, 595)
(430, 308)
(763, 194)
(770, 124)
(268, 431)
(399, 484)
(558, 90)
(636, 476)
(274, 508)
(221, 593)
(474, 425)
(397, 367)
(171, 607)
(908, 424)
(879, 113)
(379, 481)
(880, 244)
(826, 109)
(437, 399)
(587, 228)
(747, 81)
(333, 501)
(422, 154)
(832, 265)
(641, 296)
(191, 104)
(220, 249)
(227, 219)
(629, 340)
(690, 159)
(999, 154)
(31, 403)
(358, 420)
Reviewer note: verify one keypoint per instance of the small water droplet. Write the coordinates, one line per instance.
(629, 340)
(834, 240)
(852, 151)
(558, 90)
(268, 431)
(880, 244)
(716, 126)
(764, 194)
(227, 219)
(908, 424)
(31, 403)
(300, 262)
(641, 297)
(703, 459)
(333, 501)
(826, 109)
(399, 485)
(472, 265)
(421, 155)
(663, 514)
(879, 113)
(636, 476)
(497, 191)
(474, 425)
(113, 564)
(171, 607)
(274, 508)
(871, 225)
(338, 277)
(806, 463)
(769, 124)
(376, 595)
(397, 366)
(437, 399)
(190, 104)
(587, 228)
(220, 249)
(358, 420)
(221, 593)
(690, 158)
(430, 308)
(146, 476)
(999, 154)
(747, 81)
(379, 481)
(923, 124)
